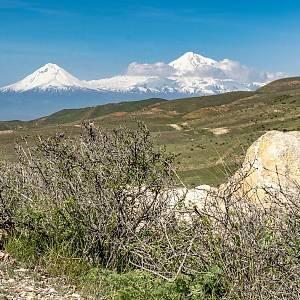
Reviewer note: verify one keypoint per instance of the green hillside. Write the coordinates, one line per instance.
(281, 85)
(210, 133)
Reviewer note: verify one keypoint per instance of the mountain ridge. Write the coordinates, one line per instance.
(191, 65)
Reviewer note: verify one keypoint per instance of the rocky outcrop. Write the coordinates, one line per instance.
(200, 195)
(271, 166)
(271, 170)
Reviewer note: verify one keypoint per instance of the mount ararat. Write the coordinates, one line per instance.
(51, 88)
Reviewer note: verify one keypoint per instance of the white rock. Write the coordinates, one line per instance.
(199, 195)
(271, 165)
(271, 170)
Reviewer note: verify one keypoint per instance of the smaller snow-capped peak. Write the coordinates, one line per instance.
(190, 62)
(48, 77)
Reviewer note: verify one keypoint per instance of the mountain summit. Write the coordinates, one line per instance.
(48, 77)
(190, 62)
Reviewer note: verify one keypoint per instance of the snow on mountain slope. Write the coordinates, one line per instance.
(211, 86)
(128, 83)
(48, 77)
(118, 83)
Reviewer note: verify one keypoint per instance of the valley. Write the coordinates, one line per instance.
(210, 134)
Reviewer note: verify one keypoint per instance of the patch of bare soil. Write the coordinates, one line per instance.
(19, 283)
(219, 130)
(2, 132)
(176, 126)
(119, 114)
(206, 112)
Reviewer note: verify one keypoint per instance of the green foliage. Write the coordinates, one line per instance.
(24, 247)
(141, 285)
(92, 279)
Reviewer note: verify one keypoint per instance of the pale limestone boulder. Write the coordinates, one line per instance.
(192, 198)
(271, 167)
(199, 196)
(271, 170)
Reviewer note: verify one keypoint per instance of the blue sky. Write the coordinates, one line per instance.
(93, 39)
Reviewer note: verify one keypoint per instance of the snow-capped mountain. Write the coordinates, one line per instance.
(48, 77)
(51, 87)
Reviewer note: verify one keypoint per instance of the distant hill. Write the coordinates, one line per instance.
(281, 85)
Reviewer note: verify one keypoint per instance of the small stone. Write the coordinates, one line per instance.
(4, 255)
(21, 270)
(51, 290)
(31, 295)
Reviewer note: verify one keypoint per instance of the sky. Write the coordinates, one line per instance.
(93, 39)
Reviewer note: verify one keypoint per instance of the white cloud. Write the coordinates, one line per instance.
(273, 76)
(235, 70)
(159, 69)
(229, 69)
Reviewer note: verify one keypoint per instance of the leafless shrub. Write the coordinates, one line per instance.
(247, 249)
(99, 192)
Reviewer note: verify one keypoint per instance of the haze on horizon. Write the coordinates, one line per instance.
(95, 39)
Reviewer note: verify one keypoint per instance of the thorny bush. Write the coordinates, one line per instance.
(99, 193)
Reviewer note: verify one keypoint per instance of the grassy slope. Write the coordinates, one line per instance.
(280, 85)
(204, 156)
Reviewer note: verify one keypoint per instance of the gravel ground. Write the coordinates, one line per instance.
(17, 283)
